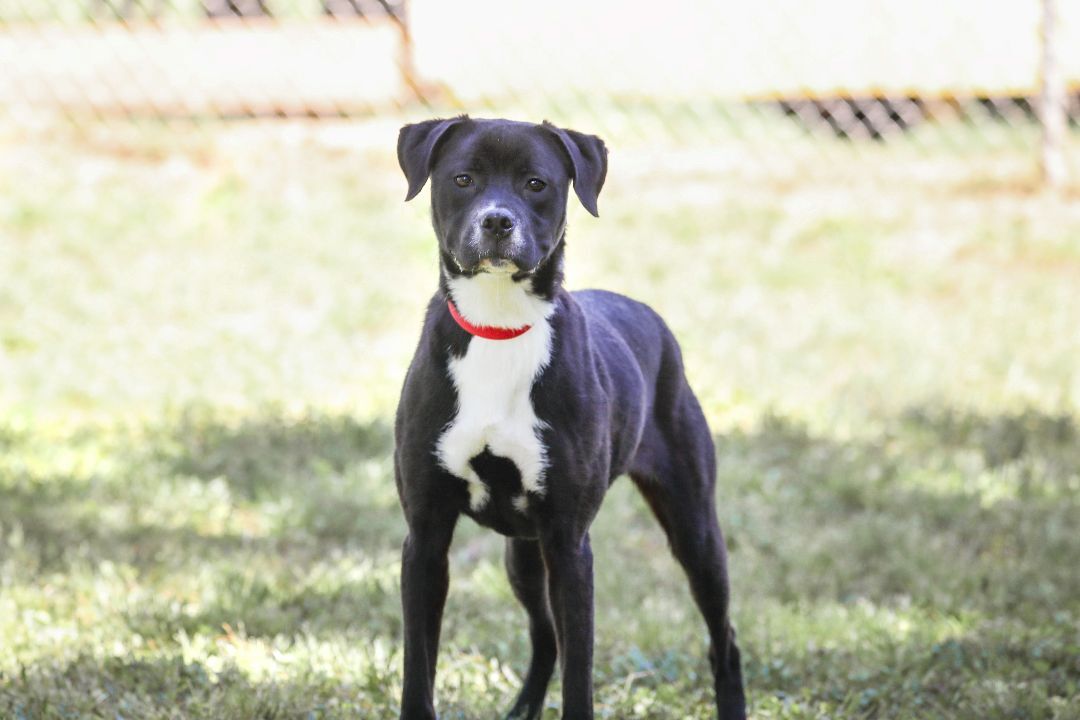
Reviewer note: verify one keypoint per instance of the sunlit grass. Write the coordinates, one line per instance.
(202, 337)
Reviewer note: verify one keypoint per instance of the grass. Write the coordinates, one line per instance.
(202, 336)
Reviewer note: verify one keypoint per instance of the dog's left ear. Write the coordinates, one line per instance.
(416, 147)
(588, 157)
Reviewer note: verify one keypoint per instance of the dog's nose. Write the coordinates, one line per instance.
(497, 224)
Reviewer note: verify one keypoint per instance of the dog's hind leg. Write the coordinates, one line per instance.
(525, 568)
(676, 472)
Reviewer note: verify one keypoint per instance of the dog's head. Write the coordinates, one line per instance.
(499, 188)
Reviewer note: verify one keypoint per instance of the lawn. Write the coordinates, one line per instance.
(202, 336)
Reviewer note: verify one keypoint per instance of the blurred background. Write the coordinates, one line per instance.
(861, 218)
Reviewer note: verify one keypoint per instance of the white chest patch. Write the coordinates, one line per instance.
(494, 380)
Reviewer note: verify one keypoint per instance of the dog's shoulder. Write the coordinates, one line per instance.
(427, 390)
(631, 320)
(608, 304)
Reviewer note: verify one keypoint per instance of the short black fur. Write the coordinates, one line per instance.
(613, 399)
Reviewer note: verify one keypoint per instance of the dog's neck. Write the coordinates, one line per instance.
(504, 300)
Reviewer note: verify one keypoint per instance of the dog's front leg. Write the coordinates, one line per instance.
(425, 578)
(568, 560)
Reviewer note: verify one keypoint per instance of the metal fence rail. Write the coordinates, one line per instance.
(202, 58)
(836, 69)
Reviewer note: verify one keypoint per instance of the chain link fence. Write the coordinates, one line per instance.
(687, 71)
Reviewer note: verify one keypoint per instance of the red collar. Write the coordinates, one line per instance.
(485, 331)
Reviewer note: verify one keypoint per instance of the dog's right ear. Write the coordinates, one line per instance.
(416, 147)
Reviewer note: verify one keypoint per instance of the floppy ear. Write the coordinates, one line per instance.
(415, 148)
(588, 156)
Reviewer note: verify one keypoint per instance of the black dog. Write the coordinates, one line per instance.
(524, 402)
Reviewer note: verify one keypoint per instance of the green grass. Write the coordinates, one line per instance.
(202, 336)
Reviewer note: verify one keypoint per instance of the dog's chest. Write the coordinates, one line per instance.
(494, 381)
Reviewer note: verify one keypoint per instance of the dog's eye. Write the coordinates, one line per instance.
(462, 180)
(536, 184)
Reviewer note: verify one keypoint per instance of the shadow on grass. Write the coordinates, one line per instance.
(271, 454)
(323, 477)
(989, 672)
(62, 526)
(954, 513)
(995, 670)
(167, 686)
(948, 509)
(321, 480)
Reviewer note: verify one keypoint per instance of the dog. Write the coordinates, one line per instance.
(525, 401)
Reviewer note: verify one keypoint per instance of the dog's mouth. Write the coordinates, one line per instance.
(498, 266)
(494, 266)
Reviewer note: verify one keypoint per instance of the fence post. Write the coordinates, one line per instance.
(1051, 100)
(406, 63)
